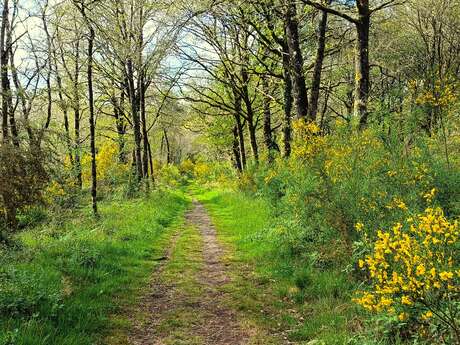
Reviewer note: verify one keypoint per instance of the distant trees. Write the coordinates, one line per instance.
(134, 72)
(88, 60)
(314, 51)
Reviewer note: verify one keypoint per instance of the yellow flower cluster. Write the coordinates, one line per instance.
(397, 203)
(410, 262)
(187, 167)
(54, 190)
(438, 98)
(106, 161)
(441, 96)
(309, 141)
(202, 170)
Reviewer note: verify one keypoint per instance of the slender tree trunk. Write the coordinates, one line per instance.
(92, 121)
(136, 121)
(145, 138)
(11, 112)
(362, 63)
(13, 126)
(49, 105)
(168, 148)
(295, 53)
(253, 139)
(76, 109)
(6, 93)
(65, 115)
(316, 82)
(362, 77)
(269, 144)
(151, 163)
(287, 128)
(239, 126)
(54, 65)
(236, 150)
(120, 126)
(49, 108)
(251, 120)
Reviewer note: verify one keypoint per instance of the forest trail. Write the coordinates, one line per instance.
(185, 303)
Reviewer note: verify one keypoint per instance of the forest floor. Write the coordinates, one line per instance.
(188, 295)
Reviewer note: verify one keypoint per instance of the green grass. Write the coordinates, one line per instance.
(66, 280)
(285, 296)
(181, 275)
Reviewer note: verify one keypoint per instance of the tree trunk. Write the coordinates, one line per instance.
(145, 138)
(168, 148)
(316, 82)
(250, 113)
(13, 126)
(49, 106)
(11, 112)
(136, 121)
(295, 53)
(268, 139)
(6, 94)
(239, 126)
(151, 163)
(92, 122)
(236, 150)
(65, 115)
(76, 108)
(120, 126)
(287, 128)
(53, 64)
(362, 63)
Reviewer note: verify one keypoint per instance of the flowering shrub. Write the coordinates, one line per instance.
(187, 167)
(308, 141)
(414, 271)
(109, 169)
(202, 170)
(169, 175)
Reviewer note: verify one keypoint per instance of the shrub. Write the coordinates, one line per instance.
(414, 270)
(110, 171)
(22, 179)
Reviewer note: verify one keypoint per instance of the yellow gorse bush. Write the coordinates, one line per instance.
(201, 170)
(441, 96)
(53, 190)
(412, 267)
(309, 141)
(106, 161)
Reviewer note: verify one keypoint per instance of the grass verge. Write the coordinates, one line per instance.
(289, 299)
(63, 281)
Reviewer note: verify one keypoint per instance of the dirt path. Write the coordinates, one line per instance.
(186, 300)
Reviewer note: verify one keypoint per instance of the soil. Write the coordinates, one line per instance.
(217, 324)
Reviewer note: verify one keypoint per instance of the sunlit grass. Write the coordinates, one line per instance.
(282, 294)
(66, 279)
